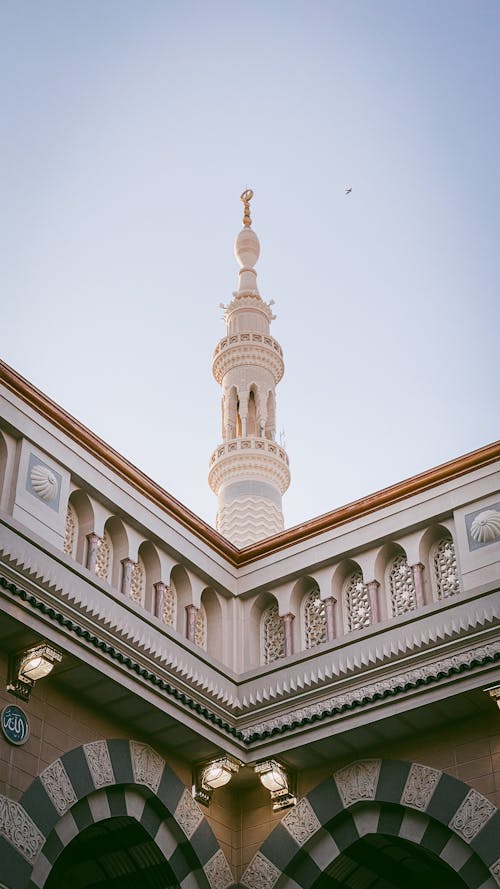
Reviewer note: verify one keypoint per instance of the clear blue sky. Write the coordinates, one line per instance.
(128, 131)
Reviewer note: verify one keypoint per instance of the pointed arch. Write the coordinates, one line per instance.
(410, 801)
(84, 786)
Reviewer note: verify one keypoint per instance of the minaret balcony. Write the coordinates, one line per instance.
(250, 457)
(248, 349)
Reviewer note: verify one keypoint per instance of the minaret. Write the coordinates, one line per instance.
(249, 470)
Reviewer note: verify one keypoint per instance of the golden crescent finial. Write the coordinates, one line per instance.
(245, 197)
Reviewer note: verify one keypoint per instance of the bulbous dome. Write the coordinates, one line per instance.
(247, 248)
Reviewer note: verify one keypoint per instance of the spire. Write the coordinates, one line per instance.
(245, 197)
(248, 471)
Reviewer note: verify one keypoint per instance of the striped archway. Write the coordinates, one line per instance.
(414, 803)
(93, 783)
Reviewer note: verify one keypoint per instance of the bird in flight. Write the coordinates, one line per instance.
(348, 189)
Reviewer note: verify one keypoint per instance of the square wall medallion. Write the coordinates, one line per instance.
(483, 526)
(43, 482)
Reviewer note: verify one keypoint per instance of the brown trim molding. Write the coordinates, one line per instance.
(174, 508)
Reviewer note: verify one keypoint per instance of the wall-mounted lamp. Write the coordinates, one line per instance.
(494, 692)
(280, 783)
(26, 667)
(209, 776)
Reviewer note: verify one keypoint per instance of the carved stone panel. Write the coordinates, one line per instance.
(187, 814)
(495, 870)
(218, 872)
(472, 815)
(147, 765)
(99, 763)
(420, 785)
(301, 822)
(19, 830)
(260, 873)
(358, 781)
(58, 786)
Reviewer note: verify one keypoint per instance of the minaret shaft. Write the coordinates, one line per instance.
(248, 471)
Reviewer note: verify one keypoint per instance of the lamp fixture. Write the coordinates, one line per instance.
(494, 692)
(209, 776)
(28, 666)
(280, 783)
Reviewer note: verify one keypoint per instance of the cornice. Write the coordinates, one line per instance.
(337, 706)
(387, 497)
(315, 683)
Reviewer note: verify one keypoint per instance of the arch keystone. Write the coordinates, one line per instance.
(358, 781)
(420, 785)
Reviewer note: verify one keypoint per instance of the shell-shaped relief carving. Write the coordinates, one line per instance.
(43, 482)
(486, 526)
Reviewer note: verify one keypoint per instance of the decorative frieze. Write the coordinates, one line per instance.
(472, 815)
(19, 830)
(358, 781)
(260, 873)
(147, 765)
(385, 686)
(99, 763)
(58, 786)
(218, 872)
(420, 785)
(301, 822)
(187, 814)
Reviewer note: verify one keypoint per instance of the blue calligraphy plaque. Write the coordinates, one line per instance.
(15, 725)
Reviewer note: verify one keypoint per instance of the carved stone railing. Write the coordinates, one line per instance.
(250, 443)
(242, 456)
(244, 348)
(248, 338)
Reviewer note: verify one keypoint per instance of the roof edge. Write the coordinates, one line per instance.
(83, 436)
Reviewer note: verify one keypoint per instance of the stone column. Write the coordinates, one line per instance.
(288, 621)
(330, 617)
(92, 543)
(126, 575)
(372, 588)
(191, 611)
(418, 579)
(159, 593)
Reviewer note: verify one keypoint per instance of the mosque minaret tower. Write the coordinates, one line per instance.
(249, 470)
